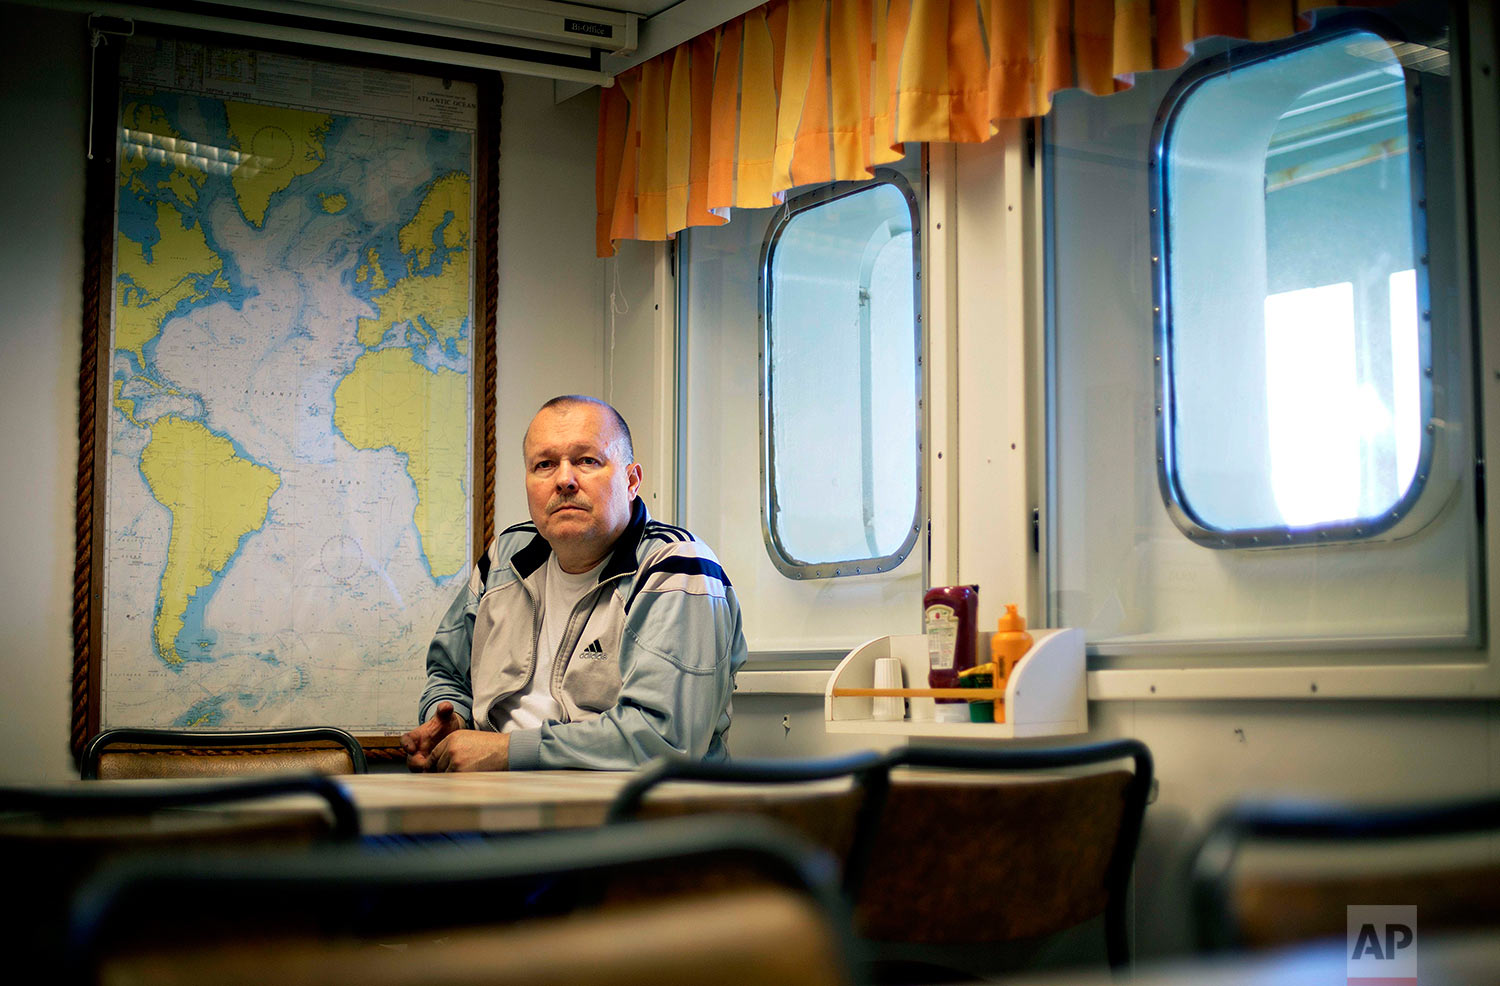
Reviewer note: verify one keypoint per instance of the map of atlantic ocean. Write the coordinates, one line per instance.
(289, 471)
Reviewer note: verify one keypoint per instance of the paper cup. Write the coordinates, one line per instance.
(888, 675)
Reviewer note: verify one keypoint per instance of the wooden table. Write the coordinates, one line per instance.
(518, 801)
(490, 801)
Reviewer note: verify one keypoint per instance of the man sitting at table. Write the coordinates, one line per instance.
(591, 637)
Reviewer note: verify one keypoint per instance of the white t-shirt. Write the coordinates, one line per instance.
(534, 705)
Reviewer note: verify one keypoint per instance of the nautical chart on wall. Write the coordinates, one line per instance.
(290, 491)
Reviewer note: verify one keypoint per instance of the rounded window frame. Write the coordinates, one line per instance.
(784, 561)
(1397, 520)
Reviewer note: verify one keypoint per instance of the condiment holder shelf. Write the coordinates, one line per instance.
(1046, 694)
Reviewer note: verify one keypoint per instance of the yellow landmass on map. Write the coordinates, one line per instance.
(281, 145)
(371, 271)
(183, 185)
(138, 124)
(148, 292)
(448, 195)
(389, 400)
(215, 497)
(124, 405)
(333, 203)
(442, 299)
(442, 302)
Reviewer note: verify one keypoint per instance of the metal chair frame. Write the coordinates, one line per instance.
(94, 802)
(1288, 822)
(353, 892)
(865, 766)
(191, 741)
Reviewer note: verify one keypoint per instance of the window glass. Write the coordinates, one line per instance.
(1291, 343)
(840, 435)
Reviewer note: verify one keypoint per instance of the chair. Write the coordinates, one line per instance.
(53, 839)
(1359, 855)
(136, 753)
(471, 915)
(968, 856)
(967, 853)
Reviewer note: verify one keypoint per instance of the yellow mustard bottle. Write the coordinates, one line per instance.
(1010, 642)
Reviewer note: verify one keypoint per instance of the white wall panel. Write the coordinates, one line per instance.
(640, 363)
(43, 80)
(994, 514)
(549, 327)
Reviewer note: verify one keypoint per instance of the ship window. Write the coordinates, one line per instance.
(840, 340)
(1259, 341)
(1294, 379)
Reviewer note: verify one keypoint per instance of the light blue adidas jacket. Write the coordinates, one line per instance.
(646, 665)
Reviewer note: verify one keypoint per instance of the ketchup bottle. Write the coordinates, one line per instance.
(950, 615)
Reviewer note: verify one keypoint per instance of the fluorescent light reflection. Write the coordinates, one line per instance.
(160, 148)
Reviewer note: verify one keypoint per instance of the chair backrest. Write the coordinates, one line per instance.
(968, 852)
(53, 839)
(1341, 855)
(791, 792)
(138, 753)
(471, 914)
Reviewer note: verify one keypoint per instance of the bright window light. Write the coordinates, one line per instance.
(1313, 403)
(1406, 375)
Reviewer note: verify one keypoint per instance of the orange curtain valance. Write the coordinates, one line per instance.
(800, 91)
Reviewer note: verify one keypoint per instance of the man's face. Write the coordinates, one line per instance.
(578, 488)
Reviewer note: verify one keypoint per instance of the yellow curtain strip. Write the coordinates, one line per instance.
(802, 91)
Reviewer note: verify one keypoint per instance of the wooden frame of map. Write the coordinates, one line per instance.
(287, 393)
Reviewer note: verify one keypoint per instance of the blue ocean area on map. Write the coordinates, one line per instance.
(440, 250)
(137, 220)
(435, 354)
(339, 254)
(149, 403)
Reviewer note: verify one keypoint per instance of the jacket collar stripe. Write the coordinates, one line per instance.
(532, 557)
(623, 561)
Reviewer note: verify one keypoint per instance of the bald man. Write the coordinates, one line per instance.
(592, 636)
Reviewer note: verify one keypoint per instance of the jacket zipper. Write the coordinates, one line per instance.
(571, 635)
